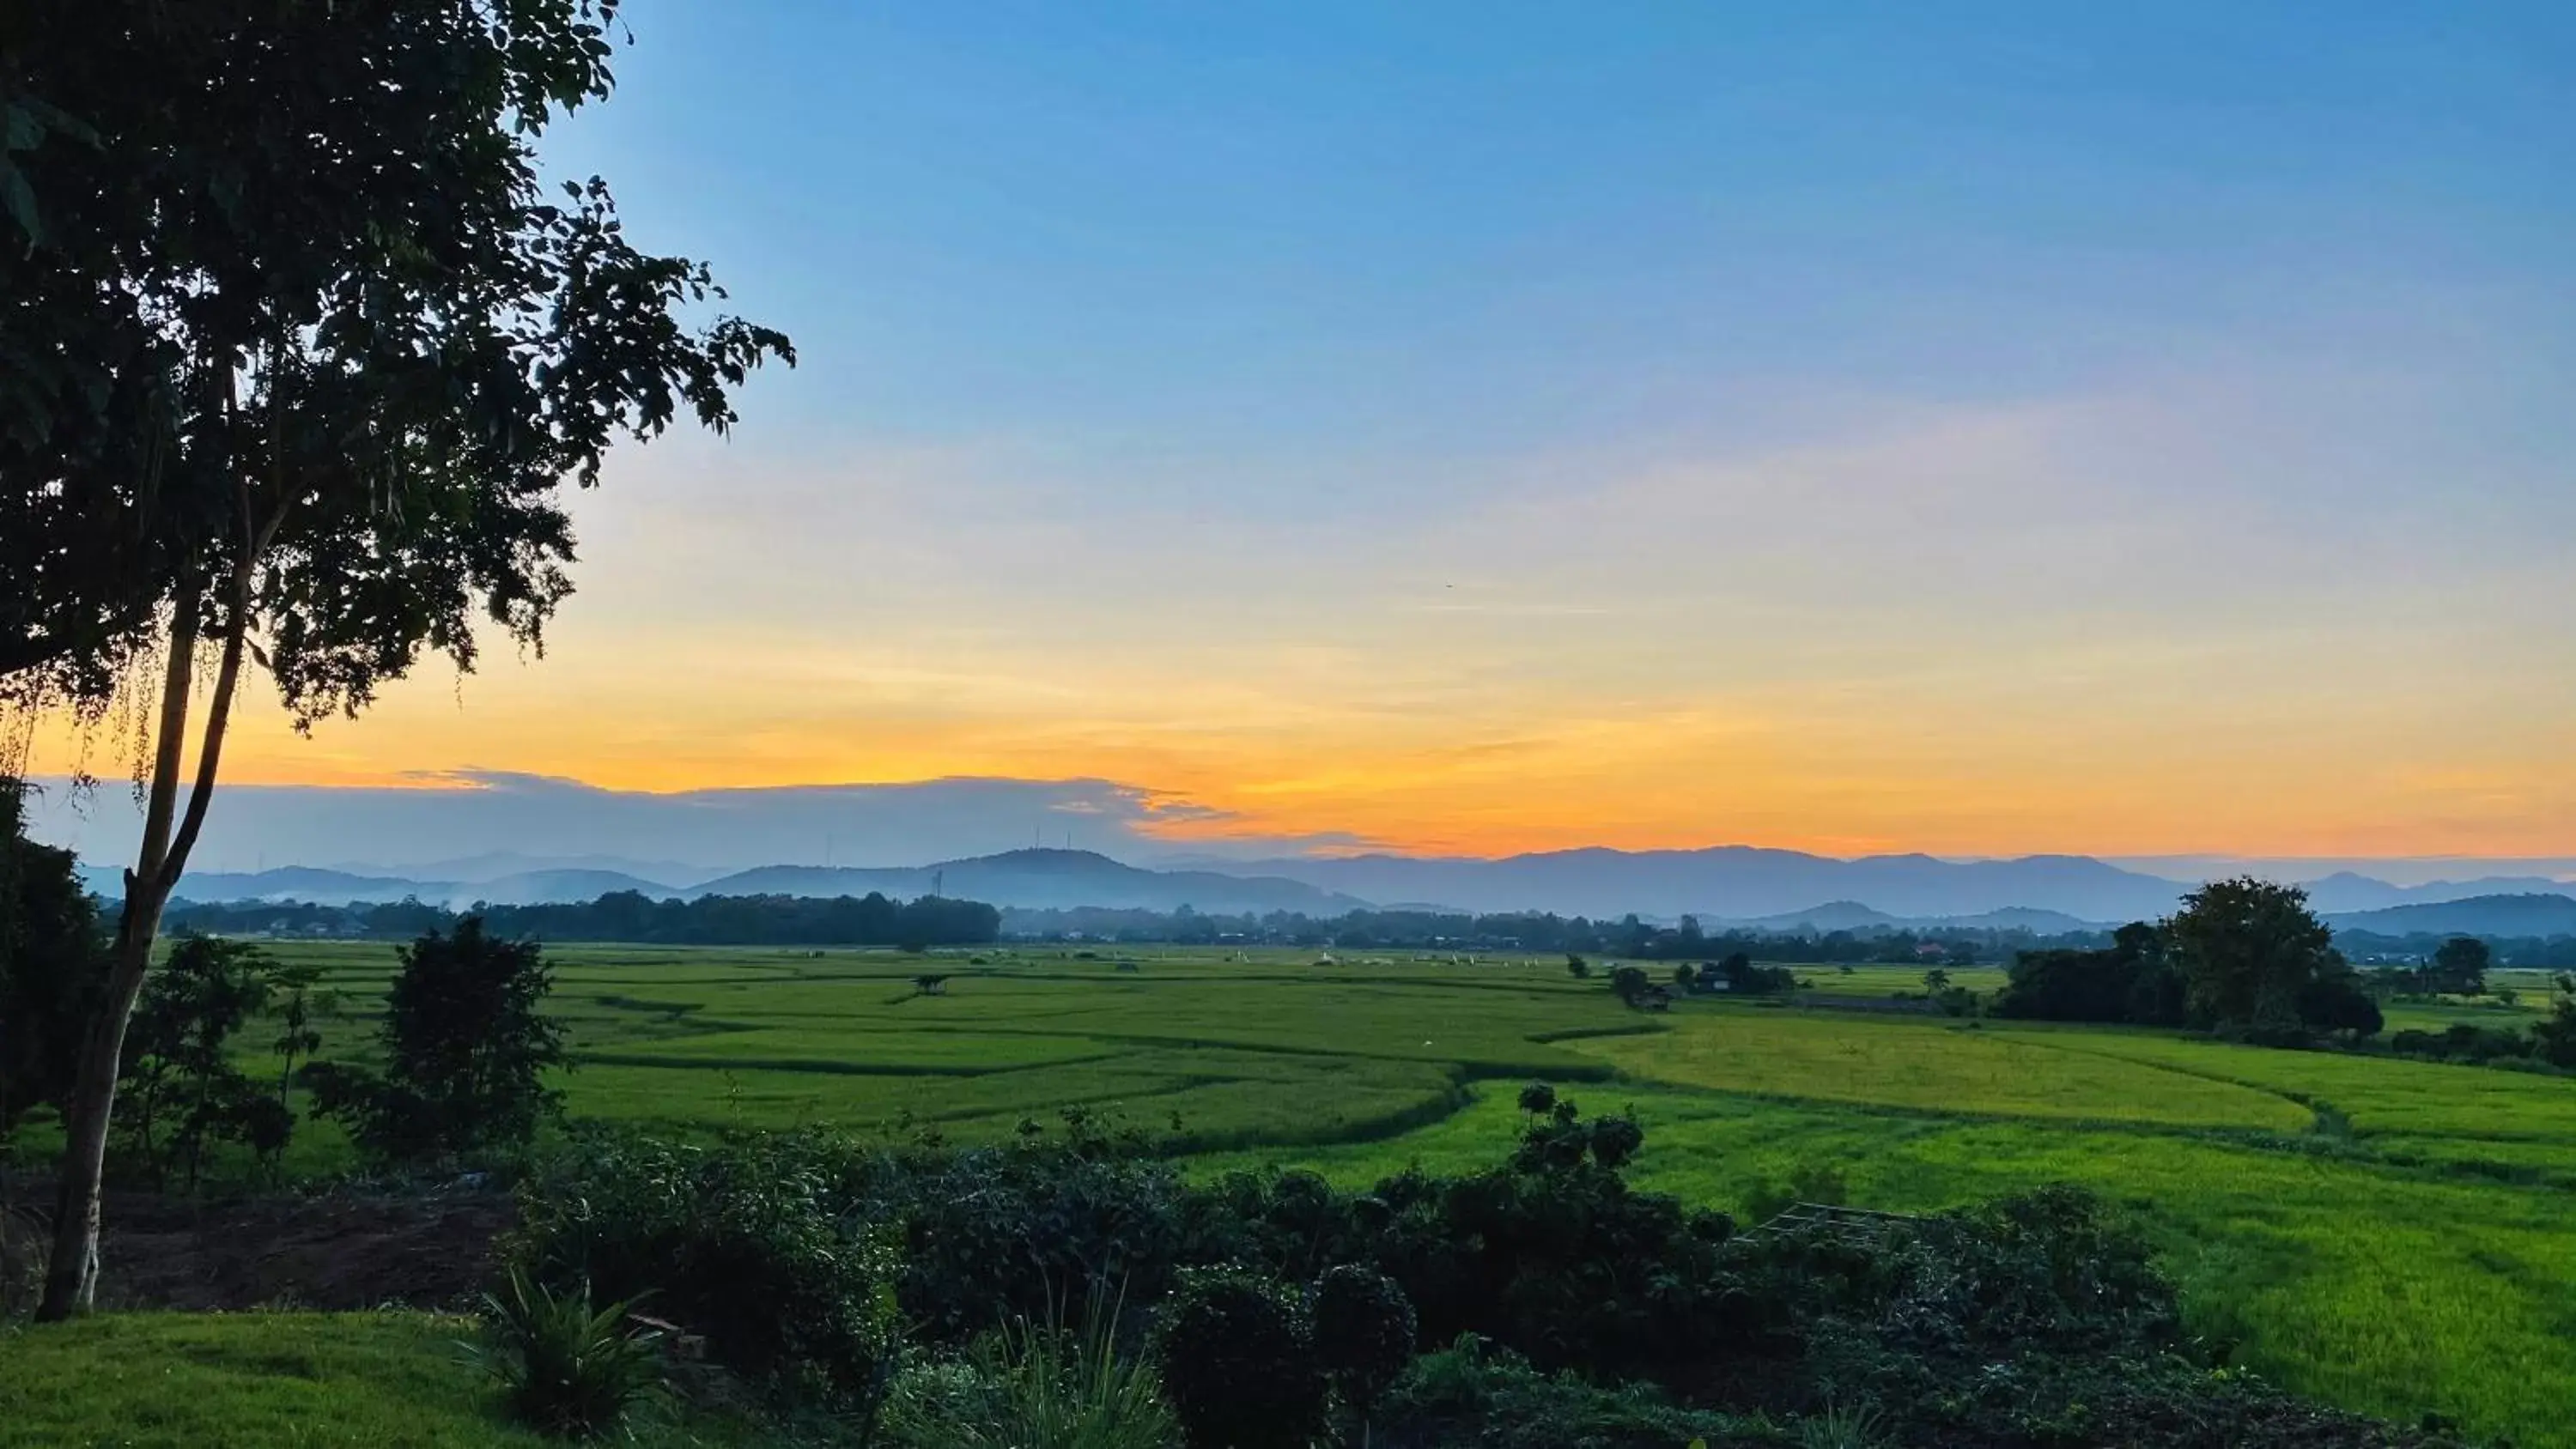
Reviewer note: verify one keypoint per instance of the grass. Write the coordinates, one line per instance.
(2392, 1235)
(196, 1380)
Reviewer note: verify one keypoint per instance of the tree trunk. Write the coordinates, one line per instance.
(71, 1279)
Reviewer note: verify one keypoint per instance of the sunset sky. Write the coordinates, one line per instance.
(1969, 428)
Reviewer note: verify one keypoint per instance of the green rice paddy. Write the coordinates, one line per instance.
(2392, 1235)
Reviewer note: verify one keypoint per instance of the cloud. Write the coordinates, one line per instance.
(469, 812)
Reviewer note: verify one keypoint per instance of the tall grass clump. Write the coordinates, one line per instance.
(1027, 1384)
(566, 1369)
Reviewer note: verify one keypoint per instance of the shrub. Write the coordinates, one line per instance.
(1239, 1362)
(749, 1246)
(1554, 1258)
(1022, 1386)
(1474, 1396)
(1364, 1332)
(566, 1370)
(1841, 1426)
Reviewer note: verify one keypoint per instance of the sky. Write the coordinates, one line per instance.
(1977, 428)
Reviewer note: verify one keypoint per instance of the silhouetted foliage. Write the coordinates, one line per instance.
(52, 965)
(1239, 1364)
(183, 1090)
(870, 920)
(465, 1051)
(2132, 981)
(1364, 1332)
(2247, 949)
(2459, 966)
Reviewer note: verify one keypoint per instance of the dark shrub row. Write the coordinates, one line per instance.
(1541, 1301)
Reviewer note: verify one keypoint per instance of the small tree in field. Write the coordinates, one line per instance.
(186, 1092)
(2460, 966)
(466, 1052)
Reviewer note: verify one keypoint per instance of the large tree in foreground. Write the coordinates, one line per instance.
(298, 356)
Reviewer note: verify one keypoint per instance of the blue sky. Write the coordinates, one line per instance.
(1965, 427)
(1353, 237)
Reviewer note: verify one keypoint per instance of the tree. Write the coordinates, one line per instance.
(1576, 966)
(301, 358)
(2460, 967)
(2336, 1000)
(179, 1062)
(2246, 949)
(2133, 981)
(50, 965)
(1936, 980)
(2554, 1039)
(1628, 983)
(466, 1051)
(296, 1035)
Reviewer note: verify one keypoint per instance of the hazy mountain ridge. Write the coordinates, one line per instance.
(1725, 887)
(1042, 879)
(2525, 914)
(1741, 883)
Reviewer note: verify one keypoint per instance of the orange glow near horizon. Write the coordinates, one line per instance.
(1929, 640)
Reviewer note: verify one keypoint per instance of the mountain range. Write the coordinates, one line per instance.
(1723, 886)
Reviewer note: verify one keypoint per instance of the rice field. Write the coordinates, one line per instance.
(2392, 1235)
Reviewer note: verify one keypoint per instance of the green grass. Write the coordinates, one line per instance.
(1933, 1065)
(200, 1380)
(282, 1381)
(2392, 1235)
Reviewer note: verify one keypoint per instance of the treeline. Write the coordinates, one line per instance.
(1528, 931)
(870, 920)
(2248, 959)
(2243, 957)
(2529, 953)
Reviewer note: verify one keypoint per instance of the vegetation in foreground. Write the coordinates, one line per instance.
(2331, 1214)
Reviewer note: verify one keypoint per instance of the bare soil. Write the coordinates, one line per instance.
(335, 1251)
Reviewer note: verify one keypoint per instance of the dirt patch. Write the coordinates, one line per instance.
(334, 1251)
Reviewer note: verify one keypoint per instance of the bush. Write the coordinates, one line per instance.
(566, 1370)
(1364, 1332)
(1474, 1396)
(1554, 1258)
(749, 1246)
(1023, 1386)
(1239, 1362)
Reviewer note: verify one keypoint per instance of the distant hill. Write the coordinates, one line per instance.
(1863, 920)
(1829, 917)
(538, 887)
(2511, 915)
(2345, 891)
(319, 887)
(1737, 882)
(295, 883)
(1046, 880)
(500, 865)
